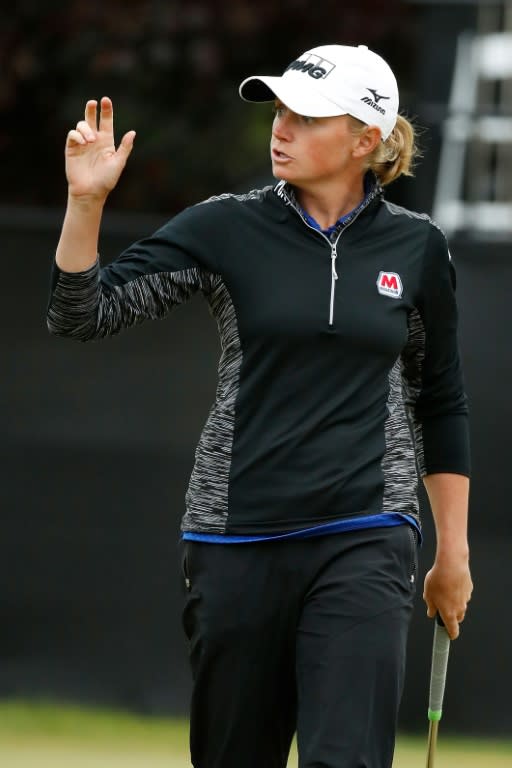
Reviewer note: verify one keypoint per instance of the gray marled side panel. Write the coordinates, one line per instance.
(404, 457)
(207, 494)
(398, 463)
(412, 365)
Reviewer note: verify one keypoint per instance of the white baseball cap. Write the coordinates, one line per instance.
(333, 80)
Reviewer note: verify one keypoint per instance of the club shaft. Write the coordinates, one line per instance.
(432, 742)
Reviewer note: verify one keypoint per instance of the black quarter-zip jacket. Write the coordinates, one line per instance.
(339, 373)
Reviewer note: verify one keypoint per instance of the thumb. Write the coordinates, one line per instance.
(431, 606)
(126, 145)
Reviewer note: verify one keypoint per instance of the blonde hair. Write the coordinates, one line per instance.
(394, 157)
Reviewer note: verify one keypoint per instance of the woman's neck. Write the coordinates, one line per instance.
(327, 204)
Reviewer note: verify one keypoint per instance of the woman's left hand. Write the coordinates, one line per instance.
(447, 591)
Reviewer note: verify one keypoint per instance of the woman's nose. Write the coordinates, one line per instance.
(281, 127)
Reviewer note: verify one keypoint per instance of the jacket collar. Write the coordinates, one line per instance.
(286, 193)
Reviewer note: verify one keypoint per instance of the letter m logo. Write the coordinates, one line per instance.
(390, 284)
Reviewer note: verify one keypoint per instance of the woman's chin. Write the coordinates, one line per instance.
(280, 173)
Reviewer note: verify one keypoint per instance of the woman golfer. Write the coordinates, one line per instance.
(339, 378)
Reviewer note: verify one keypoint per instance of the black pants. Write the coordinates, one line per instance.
(298, 635)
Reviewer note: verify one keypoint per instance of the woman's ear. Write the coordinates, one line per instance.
(368, 140)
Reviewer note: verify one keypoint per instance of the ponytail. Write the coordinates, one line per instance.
(395, 156)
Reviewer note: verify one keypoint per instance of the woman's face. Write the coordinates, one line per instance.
(309, 150)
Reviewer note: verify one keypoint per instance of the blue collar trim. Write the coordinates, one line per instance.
(369, 185)
(372, 189)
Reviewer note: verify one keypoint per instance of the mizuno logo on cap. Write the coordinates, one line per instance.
(312, 65)
(375, 101)
(376, 96)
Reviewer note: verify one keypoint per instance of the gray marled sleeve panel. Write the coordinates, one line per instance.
(83, 308)
(73, 304)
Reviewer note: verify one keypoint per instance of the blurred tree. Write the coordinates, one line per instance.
(172, 69)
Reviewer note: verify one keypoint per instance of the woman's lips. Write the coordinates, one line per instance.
(280, 157)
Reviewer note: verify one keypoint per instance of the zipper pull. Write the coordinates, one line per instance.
(334, 277)
(334, 256)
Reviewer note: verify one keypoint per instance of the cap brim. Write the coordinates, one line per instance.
(296, 95)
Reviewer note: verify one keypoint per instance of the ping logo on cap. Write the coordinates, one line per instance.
(313, 65)
(390, 284)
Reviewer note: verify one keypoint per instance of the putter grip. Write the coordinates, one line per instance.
(440, 651)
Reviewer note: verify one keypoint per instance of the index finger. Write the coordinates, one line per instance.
(451, 625)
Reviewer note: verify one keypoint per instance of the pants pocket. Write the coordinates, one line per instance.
(191, 592)
(184, 565)
(413, 555)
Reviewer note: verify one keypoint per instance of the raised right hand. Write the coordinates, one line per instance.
(93, 165)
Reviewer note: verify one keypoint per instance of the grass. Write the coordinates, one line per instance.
(55, 736)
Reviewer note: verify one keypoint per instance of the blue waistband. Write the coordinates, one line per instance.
(381, 520)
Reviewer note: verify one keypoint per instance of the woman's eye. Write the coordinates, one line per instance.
(308, 120)
(277, 110)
